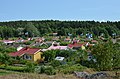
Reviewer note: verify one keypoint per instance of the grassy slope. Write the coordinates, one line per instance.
(16, 75)
(37, 76)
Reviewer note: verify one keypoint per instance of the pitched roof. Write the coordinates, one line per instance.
(94, 41)
(67, 39)
(57, 47)
(75, 45)
(8, 41)
(25, 50)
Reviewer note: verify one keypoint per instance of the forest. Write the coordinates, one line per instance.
(47, 27)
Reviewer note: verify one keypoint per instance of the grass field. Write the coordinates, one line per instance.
(3, 73)
(16, 75)
(36, 76)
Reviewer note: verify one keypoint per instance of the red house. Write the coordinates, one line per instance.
(76, 45)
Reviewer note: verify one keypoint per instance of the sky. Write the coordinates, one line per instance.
(98, 10)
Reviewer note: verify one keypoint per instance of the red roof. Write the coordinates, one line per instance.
(75, 45)
(25, 50)
(94, 41)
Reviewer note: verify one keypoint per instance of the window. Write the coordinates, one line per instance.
(27, 57)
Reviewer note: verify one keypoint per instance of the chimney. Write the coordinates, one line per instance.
(27, 48)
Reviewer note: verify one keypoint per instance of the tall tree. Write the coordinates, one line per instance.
(104, 56)
(116, 56)
(31, 30)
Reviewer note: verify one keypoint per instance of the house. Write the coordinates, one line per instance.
(8, 42)
(91, 43)
(30, 39)
(69, 34)
(19, 40)
(54, 34)
(89, 37)
(56, 46)
(39, 40)
(76, 45)
(27, 53)
(94, 42)
(67, 39)
(55, 38)
(49, 42)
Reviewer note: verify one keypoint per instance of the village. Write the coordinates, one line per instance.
(31, 49)
(53, 54)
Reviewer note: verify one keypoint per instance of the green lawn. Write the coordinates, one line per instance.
(4, 73)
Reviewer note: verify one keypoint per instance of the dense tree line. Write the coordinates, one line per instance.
(45, 27)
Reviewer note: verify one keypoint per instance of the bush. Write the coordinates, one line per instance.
(28, 42)
(21, 61)
(40, 69)
(55, 63)
(43, 46)
(2, 66)
(10, 49)
(49, 55)
(70, 69)
(49, 70)
(30, 67)
(64, 43)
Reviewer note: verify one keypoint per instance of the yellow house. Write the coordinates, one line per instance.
(30, 54)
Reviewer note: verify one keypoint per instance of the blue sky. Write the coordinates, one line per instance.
(99, 10)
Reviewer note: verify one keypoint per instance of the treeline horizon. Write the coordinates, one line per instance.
(45, 27)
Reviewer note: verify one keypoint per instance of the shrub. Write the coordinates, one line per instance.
(64, 43)
(49, 70)
(28, 43)
(40, 69)
(49, 55)
(70, 69)
(55, 63)
(2, 66)
(43, 46)
(10, 49)
(30, 67)
(21, 61)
